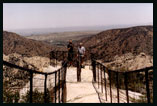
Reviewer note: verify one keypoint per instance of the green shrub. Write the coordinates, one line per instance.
(37, 97)
(10, 97)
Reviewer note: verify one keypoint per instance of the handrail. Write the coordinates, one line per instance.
(58, 79)
(21, 68)
(99, 68)
(29, 70)
(49, 73)
(138, 70)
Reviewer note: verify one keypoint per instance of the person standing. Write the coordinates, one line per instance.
(70, 47)
(81, 53)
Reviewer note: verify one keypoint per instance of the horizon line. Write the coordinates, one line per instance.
(139, 24)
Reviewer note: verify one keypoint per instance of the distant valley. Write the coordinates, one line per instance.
(62, 38)
(40, 31)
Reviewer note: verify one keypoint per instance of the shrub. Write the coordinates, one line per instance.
(37, 97)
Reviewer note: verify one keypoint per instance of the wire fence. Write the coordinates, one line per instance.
(123, 86)
(23, 85)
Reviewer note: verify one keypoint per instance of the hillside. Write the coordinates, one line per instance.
(14, 43)
(106, 44)
(110, 43)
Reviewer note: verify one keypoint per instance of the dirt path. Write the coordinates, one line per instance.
(81, 92)
(85, 92)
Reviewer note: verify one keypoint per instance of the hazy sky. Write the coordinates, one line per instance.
(52, 15)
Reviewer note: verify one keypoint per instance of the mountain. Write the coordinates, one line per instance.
(110, 43)
(105, 44)
(14, 43)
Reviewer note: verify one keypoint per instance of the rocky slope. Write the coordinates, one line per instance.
(110, 43)
(36, 61)
(130, 62)
(13, 43)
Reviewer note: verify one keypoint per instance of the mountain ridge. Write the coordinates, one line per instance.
(14, 43)
(107, 44)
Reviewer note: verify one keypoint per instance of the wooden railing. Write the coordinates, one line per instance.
(56, 80)
(131, 86)
(56, 56)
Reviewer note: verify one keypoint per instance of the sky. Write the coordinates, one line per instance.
(56, 15)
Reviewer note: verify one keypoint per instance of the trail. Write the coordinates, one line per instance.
(88, 92)
(81, 92)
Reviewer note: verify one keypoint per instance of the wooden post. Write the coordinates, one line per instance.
(31, 86)
(45, 89)
(147, 86)
(110, 85)
(59, 86)
(93, 66)
(101, 69)
(55, 86)
(126, 86)
(98, 75)
(94, 70)
(117, 78)
(105, 82)
(64, 89)
(79, 69)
